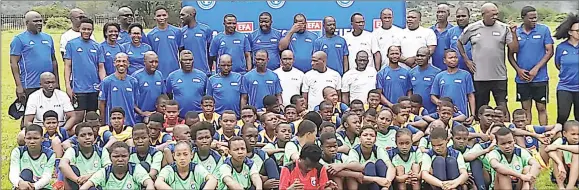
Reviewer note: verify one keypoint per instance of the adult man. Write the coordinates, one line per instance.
(225, 87)
(359, 40)
(267, 39)
(291, 78)
(422, 78)
(125, 17)
(119, 90)
(414, 37)
(234, 44)
(75, 16)
(32, 53)
(150, 85)
(359, 81)
(49, 98)
(187, 85)
(319, 78)
(88, 70)
(456, 84)
(393, 81)
(488, 37)
(300, 42)
(441, 29)
(383, 37)
(165, 40)
(196, 38)
(535, 50)
(334, 46)
(462, 21)
(260, 82)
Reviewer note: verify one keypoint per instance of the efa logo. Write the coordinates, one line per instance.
(376, 23)
(314, 25)
(245, 27)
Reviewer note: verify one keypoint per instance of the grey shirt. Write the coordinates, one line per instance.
(488, 49)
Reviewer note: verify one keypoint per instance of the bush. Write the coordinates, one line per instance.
(62, 23)
(54, 10)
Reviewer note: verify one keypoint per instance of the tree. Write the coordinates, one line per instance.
(51, 11)
(146, 10)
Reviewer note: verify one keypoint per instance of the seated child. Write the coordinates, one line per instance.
(159, 139)
(291, 116)
(400, 120)
(369, 117)
(406, 161)
(248, 115)
(227, 129)
(536, 148)
(192, 117)
(238, 171)
(202, 153)
(172, 116)
(478, 160)
(338, 161)
(270, 104)
(445, 112)
(269, 121)
(53, 134)
(185, 173)
(357, 107)
(143, 153)
(209, 115)
(160, 104)
(327, 114)
(257, 155)
(330, 94)
(373, 100)
(443, 167)
(385, 132)
(565, 154)
(315, 175)
(275, 150)
(460, 139)
(120, 131)
(349, 136)
(306, 134)
(102, 140)
(425, 143)
(182, 133)
(417, 107)
(301, 104)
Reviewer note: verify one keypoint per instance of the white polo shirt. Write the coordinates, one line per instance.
(359, 83)
(69, 35)
(382, 39)
(412, 40)
(315, 82)
(38, 103)
(358, 43)
(291, 82)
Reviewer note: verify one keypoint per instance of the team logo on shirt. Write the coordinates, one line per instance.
(95, 164)
(222, 43)
(258, 41)
(519, 38)
(564, 52)
(338, 45)
(206, 4)
(129, 89)
(269, 81)
(275, 4)
(387, 77)
(179, 81)
(441, 81)
(402, 77)
(156, 39)
(427, 79)
(208, 168)
(517, 166)
(345, 4)
(325, 47)
(108, 53)
(233, 84)
(273, 40)
(458, 81)
(255, 82)
(199, 35)
(79, 50)
(537, 37)
(130, 53)
(455, 37)
(115, 88)
(529, 139)
(184, 35)
(196, 80)
(129, 185)
(413, 78)
(171, 37)
(313, 181)
(93, 50)
(218, 85)
(308, 40)
(294, 39)
(31, 42)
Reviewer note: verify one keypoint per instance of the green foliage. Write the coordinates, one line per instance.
(146, 10)
(54, 10)
(62, 23)
(560, 17)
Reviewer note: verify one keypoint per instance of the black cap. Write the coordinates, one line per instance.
(16, 109)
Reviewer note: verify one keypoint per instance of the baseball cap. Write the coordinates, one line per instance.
(16, 109)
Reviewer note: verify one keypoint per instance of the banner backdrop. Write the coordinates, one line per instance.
(247, 13)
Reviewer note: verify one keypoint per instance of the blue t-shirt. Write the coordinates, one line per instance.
(532, 49)
(422, 83)
(302, 44)
(85, 57)
(197, 39)
(125, 37)
(393, 82)
(187, 89)
(234, 45)
(566, 57)
(453, 35)
(456, 86)
(120, 93)
(257, 85)
(226, 90)
(442, 41)
(137, 56)
(36, 53)
(110, 53)
(166, 44)
(149, 87)
(336, 48)
(268, 42)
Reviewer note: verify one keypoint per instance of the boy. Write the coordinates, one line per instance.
(143, 153)
(53, 135)
(460, 139)
(445, 112)
(425, 143)
(326, 111)
(228, 128)
(276, 148)
(171, 115)
(160, 104)
(257, 155)
(159, 139)
(442, 166)
(417, 108)
(248, 115)
(327, 127)
(306, 134)
(120, 131)
(406, 161)
(192, 117)
(121, 174)
(330, 94)
(31, 165)
(400, 121)
(373, 100)
(567, 157)
(349, 136)
(331, 156)
(202, 153)
(196, 176)
(478, 160)
(301, 104)
(269, 121)
(536, 149)
(369, 117)
(209, 114)
(271, 105)
(238, 171)
(182, 133)
(102, 140)
(315, 175)
(292, 117)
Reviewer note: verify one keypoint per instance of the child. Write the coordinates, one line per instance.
(172, 115)
(257, 155)
(271, 105)
(143, 153)
(184, 173)
(227, 127)
(357, 107)
(373, 100)
(326, 111)
(369, 117)
(192, 117)
(331, 156)
(565, 154)
(275, 151)
(270, 122)
(478, 160)
(532, 144)
(182, 133)
(102, 140)
(385, 133)
(121, 174)
(416, 107)
(406, 161)
(349, 136)
(400, 121)
(120, 131)
(159, 139)
(238, 171)
(460, 139)
(425, 143)
(308, 166)
(442, 166)
(306, 134)
(327, 127)
(406, 103)
(203, 155)
(445, 112)
(330, 94)
(291, 116)
(502, 115)
(301, 104)
(209, 115)
(248, 115)
(522, 170)
(160, 104)
(53, 135)
(31, 165)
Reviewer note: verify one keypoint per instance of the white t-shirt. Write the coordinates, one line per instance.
(358, 43)
(412, 40)
(37, 104)
(359, 83)
(315, 82)
(67, 36)
(382, 39)
(291, 82)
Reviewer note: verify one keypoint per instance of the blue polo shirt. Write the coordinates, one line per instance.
(137, 56)
(149, 87)
(36, 51)
(85, 57)
(302, 44)
(422, 83)
(258, 85)
(442, 41)
(269, 42)
(453, 35)
(125, 37)
(110, 53)
(456, 86)
(119, 93)
(166, 44)
(226, 90)
(234, 45)
(187, 89)
(196, 39)
(566, 57)
(336, 48)
(394, 83)
(532, 49)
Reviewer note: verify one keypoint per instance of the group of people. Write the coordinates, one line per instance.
(294, 111)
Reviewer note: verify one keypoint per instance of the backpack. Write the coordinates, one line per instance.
(109, 170)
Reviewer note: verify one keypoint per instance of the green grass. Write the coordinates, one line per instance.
(11, 127)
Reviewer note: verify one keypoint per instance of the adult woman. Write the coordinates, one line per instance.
(110, 47)
(567, 61)
(136, 49)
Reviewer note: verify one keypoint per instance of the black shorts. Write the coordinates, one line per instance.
(538, 91)
(86, 101)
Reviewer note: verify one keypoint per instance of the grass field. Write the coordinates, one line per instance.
(10, 127)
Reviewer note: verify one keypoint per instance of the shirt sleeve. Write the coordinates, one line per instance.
(353, 156)
(423, 142)
(67, 50)
(63, 43)
(305, 84)
(346, 82)
(285, 178)
(323, 177)
(167, 173)
(464, 37)
(345, 50)
(14, 173)
(69, 154)
(105, 159)
(244, 85)
(290, 149)
(469, 83)
(16, 47)
(379, 80)
(169, 84)
(339, 82)
(209, 89)
(508, 35)
(493, 155)
(67, 105)
(317, 45)
(526, 156)
(31, 105)
(383, 155)
(246, 44)
(435, 88)
(200, 174)
(278, 88)
(156, 162)
(103, 87)
(460, 161)
(214, 46)
(547, 39)
(558, 52)
(98, 178)
(426, 163)
(408, 83)
(140, 174)
(225, 171)
(431, 38)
